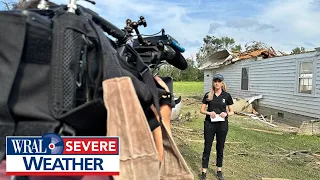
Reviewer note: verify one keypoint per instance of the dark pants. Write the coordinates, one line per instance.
(220, 130)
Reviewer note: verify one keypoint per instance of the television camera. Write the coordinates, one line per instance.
(155, 50)
(50, 46)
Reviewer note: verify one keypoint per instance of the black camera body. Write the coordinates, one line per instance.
(156, 49)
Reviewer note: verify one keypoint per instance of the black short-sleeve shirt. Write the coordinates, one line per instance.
(218, 104)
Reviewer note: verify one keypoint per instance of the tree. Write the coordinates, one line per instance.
(298, 50)
(213, 44)
(192, 73)
(237, 48)
(256, 45)
(6, 4)
(23, 4)
(229, 43)
(13, 4)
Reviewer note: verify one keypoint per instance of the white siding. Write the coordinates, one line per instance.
(276, 80)
(318, 77)
(208, 75)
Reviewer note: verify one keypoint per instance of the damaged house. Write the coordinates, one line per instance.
(288, 84)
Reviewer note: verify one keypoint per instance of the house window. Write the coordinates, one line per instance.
(305, 77)
(245, 79)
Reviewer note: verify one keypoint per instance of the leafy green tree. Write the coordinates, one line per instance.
(298, 50)
(192, 73)
(237, 48)
(212, 44)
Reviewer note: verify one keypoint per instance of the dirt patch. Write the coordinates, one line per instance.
(187, 101)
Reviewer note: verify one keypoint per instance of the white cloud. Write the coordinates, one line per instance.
(282, 24)
(296, 23)
(160, 14)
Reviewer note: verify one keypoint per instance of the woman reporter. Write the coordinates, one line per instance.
(217, 106)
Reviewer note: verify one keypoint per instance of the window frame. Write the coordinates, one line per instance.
(248, 72)
(314, 75)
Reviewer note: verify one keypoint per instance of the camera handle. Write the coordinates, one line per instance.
(131, 25)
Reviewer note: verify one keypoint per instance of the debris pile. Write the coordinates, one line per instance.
(247, 107)
(226, 57)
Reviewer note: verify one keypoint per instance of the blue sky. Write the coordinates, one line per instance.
(282, 24)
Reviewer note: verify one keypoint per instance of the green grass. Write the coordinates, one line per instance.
(188, 88)
(249, 154)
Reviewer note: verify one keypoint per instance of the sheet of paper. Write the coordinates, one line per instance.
(217, 118)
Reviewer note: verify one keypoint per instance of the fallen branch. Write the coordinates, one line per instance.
(243, 154)
(266, 131)
(6, 4)
(274, 179)
(185, 129)
(190, 103)
(263, 118)
(256, 118)
(180, 138)
(296, 152)
(238, 154)
(282, 148)
(201, 141)
(241, 113)
(316, 155)
(273, 125)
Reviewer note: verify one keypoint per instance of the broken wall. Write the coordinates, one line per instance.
(288, 118)
(241, 105)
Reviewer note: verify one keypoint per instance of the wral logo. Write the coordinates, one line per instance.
(52, 155)
(56, 145)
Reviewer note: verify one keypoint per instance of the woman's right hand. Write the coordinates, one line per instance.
(212, 114)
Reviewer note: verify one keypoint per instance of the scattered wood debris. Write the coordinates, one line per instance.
(184, 129)
(274, 179)
(202, 141)
(266, 131)
(298, 152)
(257, 117)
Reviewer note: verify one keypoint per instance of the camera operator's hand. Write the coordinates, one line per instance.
(165, 109)
(162, 84)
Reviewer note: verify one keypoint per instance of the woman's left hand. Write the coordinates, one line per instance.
(223, 114)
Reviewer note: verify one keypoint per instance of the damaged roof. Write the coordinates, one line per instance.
(261, 52)
(225, 57)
